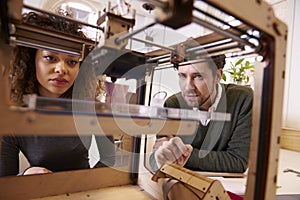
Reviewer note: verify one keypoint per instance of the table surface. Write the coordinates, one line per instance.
(125, 192)
(288, 183)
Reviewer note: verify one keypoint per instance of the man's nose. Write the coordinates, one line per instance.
(189, 84)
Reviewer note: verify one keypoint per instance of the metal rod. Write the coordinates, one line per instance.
(36, 30)
(225, 23)
(135, 159)
(221, 31)
(38, 46)
(210, 48)
(158, 58)
(210, 45)
(222, 49)
(128, 35)
(153, 43)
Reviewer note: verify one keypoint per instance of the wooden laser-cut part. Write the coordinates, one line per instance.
(204, 187)
(75, 181)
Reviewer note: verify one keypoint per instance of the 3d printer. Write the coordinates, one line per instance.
(262, 34)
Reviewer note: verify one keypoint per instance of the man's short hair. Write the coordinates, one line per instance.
(219, 61)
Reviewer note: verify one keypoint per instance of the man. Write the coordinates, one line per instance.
(220, 146)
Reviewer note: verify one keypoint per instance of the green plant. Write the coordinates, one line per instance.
(239, 71)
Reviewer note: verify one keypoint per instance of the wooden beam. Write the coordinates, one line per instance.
(290, 139)
(61, 183)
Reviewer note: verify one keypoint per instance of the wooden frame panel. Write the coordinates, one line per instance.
(265, 20)
(82, 180)
(43, 185)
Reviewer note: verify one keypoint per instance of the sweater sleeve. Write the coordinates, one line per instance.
(9, 156)
(231, 155)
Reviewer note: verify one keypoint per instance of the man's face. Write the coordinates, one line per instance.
(198, 84)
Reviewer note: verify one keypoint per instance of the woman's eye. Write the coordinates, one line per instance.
(73, 62)
(49, 58)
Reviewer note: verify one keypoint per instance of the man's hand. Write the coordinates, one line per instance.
(173, 150)
(160, 142)
(36, 170)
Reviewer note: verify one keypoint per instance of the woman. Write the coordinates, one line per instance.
(48, 74)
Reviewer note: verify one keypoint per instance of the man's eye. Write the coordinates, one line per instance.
(181, 76)
(198, 76)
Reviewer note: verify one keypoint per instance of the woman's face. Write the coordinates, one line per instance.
(55, 72)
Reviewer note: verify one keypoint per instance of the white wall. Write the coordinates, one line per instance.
(291, 113)
(165, 80)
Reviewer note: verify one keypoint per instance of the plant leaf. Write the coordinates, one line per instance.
(224, 77)
(239, 61)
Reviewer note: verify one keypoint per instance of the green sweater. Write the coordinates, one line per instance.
(221, 146)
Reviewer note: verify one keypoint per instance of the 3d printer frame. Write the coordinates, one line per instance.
(267, 108)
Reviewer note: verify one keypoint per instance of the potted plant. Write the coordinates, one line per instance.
(239, 72)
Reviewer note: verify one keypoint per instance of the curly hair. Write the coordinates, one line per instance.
(22, 71)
